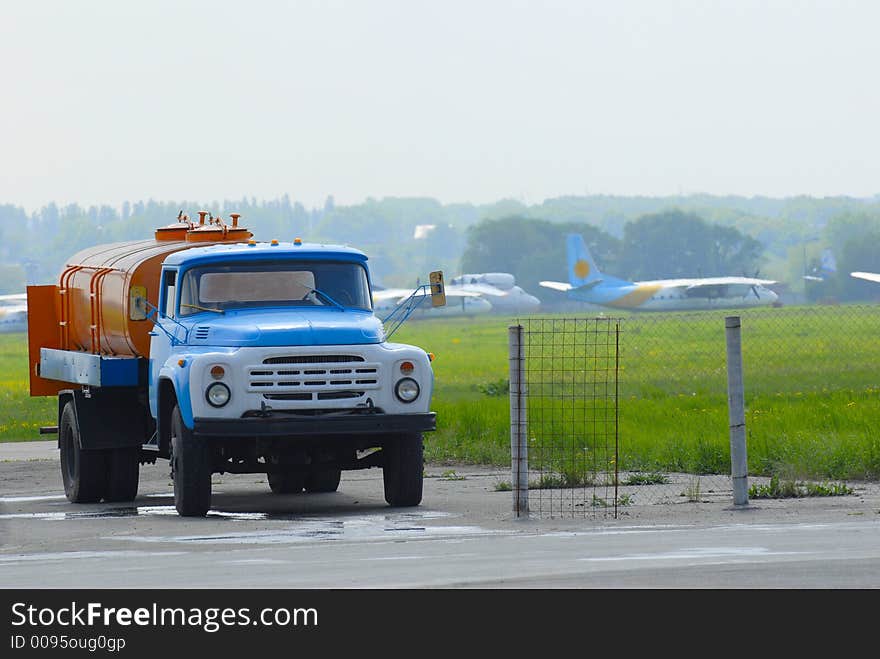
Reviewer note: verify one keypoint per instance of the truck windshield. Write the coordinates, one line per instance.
(219, 287)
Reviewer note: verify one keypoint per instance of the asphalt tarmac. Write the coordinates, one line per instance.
(464, 535)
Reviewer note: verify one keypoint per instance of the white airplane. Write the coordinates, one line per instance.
(13, 313)
(458, 303)
(587, 284)
(499, 288)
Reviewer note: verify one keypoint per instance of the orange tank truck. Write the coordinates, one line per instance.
(106, 294)
(222, 354)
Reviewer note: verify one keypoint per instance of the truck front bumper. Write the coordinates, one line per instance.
(349, 424)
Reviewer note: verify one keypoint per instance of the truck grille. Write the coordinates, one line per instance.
(313, 377)
(314, 359)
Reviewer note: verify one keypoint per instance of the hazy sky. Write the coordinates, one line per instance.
(103, 101)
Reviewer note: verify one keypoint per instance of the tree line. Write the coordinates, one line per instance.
(631, 237)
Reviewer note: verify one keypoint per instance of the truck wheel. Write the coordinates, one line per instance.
(190, 469)
(402, 471)
(287, 482)
(81, 471)
(326, 480)
(123, 470)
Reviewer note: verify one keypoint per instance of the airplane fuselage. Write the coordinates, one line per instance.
(666, 296)
(587, 284)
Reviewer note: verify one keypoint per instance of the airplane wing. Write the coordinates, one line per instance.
(390, 294)
(389, 299)
(398, 295)
(869, 276)
(454, 292)
(556, 285)
(458, 302)
(477, 289)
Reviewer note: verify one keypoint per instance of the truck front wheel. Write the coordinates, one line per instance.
(190, 469)
(403, 469)
(81, 471)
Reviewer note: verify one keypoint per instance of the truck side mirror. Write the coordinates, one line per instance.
(438, 289)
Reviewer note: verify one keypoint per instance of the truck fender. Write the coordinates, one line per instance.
(179, 378)
(64, 397)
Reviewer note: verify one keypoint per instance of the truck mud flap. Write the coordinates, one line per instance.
(107, 418)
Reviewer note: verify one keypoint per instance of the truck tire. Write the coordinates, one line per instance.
(325, 480)
(190, 469)
(123, 471)
(403, 469)
(286, 482)
(81, 471)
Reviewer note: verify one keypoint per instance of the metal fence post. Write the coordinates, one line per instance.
(739, 469)
(519, 458)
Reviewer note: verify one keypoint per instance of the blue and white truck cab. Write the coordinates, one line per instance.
(229, 357)
(267, 357)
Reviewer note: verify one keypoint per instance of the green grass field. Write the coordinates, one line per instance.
(811, 375)
(812, 384)
(20, 415)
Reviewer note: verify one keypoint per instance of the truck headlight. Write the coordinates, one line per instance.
(217, 394)
(407, 390)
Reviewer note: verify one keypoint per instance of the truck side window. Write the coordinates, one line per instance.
(170, 288)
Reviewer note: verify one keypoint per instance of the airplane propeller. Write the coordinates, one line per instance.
(753, 287)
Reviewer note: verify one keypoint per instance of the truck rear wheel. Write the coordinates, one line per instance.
(325, 480)
(190, 468)
(123, 471)
(286, 482)
(403, 469)
(83, 472)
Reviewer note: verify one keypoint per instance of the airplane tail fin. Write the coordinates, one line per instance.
(582, 269)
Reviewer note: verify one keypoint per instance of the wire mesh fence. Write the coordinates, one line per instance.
(811, 395)
(572, 391)
(811, 382)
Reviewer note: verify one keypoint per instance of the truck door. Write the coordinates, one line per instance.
(160, 341)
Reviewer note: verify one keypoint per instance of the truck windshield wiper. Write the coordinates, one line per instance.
(195, 306)
(322, 294)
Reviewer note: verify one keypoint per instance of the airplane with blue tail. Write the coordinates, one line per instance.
(586, 283)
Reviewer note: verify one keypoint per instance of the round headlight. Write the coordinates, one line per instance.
(407, 390)
(217, 394)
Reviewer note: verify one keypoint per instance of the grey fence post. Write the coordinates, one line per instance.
(519, 457)
(739, 468)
